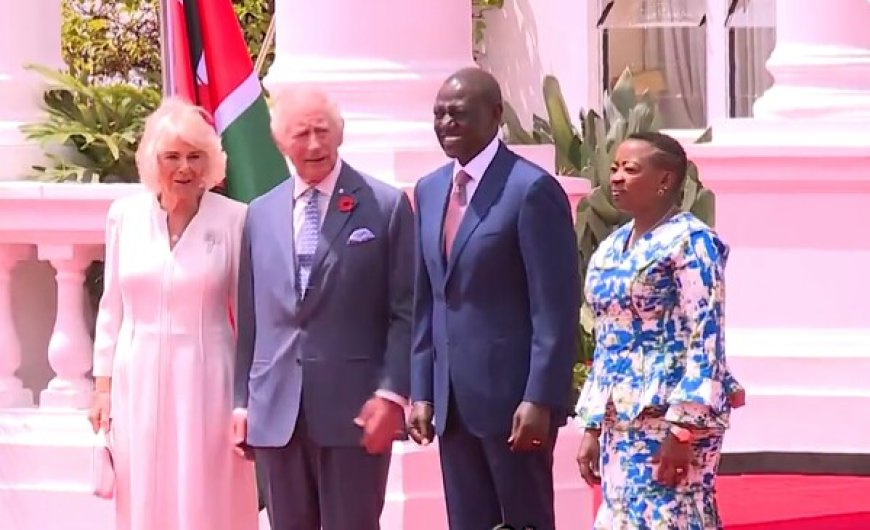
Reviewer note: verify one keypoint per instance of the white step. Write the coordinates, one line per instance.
(39, 447)
(800, 423)
(45, 466)
(47, 508)
(807, 390)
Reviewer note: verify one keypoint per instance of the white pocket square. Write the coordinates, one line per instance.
(360, 235)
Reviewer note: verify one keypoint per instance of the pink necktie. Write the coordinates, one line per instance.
(455, 210)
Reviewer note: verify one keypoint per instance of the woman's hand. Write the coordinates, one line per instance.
(673, 460)
(100, 412)
(589, 458)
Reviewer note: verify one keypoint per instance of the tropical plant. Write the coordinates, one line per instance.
(99, 124)
(588, 153)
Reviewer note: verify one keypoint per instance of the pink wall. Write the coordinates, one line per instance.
(797, 325)
(796, 221)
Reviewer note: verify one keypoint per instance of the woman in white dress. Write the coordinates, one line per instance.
(165, 344)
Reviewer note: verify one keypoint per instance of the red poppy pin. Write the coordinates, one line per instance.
(346, 203)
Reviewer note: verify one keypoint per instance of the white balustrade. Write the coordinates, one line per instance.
(12, 391)
(70, 347)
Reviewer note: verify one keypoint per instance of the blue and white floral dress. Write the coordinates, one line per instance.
(659, 358)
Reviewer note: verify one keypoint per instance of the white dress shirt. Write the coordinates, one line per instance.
(326, 187)
(476, 167)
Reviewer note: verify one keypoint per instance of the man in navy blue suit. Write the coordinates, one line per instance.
(496, 308)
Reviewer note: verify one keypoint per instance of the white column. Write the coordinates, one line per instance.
(29, 34)
(12, 392)
(382, 60)
(821, 63)
(70, 348)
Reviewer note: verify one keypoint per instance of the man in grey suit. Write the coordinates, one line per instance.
(325, 293)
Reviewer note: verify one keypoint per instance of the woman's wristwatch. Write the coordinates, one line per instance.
(682, 434)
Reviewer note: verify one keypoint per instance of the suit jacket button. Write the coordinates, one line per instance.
(299, 361)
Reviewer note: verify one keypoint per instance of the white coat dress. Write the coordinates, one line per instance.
(164, 335)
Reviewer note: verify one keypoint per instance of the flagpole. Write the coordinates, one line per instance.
(165, 47)
(264, 47)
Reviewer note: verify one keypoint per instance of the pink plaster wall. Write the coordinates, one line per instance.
(796, 222)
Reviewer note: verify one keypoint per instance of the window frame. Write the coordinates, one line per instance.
(718, 75)
(729, 36)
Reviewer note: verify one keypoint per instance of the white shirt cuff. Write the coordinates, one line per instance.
(391, 396)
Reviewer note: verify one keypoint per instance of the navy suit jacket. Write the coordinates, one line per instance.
(496, 324)
(349, 336)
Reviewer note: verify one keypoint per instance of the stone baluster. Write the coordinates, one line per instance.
(12, 391)
(70, 347)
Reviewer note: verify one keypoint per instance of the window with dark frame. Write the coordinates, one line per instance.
(664, 45)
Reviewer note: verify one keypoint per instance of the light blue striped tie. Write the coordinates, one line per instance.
(309, 233)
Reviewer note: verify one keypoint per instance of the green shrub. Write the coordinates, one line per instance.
(119, 41)
(105, 41)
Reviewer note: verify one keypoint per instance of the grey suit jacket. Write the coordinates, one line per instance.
(330, 350)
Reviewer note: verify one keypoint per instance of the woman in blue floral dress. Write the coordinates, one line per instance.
(659, 394)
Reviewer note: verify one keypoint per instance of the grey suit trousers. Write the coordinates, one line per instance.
(309, 487)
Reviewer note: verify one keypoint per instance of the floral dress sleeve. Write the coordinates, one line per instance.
(586, 418)
(699, 398)
(730, 383)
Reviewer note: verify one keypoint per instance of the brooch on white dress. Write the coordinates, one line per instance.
(210, 241)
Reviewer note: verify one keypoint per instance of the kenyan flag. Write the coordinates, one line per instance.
(209, 65)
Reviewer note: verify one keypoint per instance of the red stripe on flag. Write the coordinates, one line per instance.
(226, 53)
(182, 74)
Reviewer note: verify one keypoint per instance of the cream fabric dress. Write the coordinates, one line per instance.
(165, 337)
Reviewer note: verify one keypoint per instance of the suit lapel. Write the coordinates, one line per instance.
(490, 187)
(434, 235)
(282, 214)
(346, 185)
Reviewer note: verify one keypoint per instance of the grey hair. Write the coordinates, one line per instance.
(288, 102)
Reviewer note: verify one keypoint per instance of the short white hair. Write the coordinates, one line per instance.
(289, 102)
(174, 119)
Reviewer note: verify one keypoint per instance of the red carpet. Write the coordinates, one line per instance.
(793, 502)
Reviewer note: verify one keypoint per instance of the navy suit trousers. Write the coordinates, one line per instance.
(486, 484)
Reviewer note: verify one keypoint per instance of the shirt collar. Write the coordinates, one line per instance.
(477, 166)
(325, 186)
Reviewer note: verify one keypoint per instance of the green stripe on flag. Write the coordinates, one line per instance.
(254, 165)
(194, 33)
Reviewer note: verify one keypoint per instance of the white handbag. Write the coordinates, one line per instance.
(103, 468)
